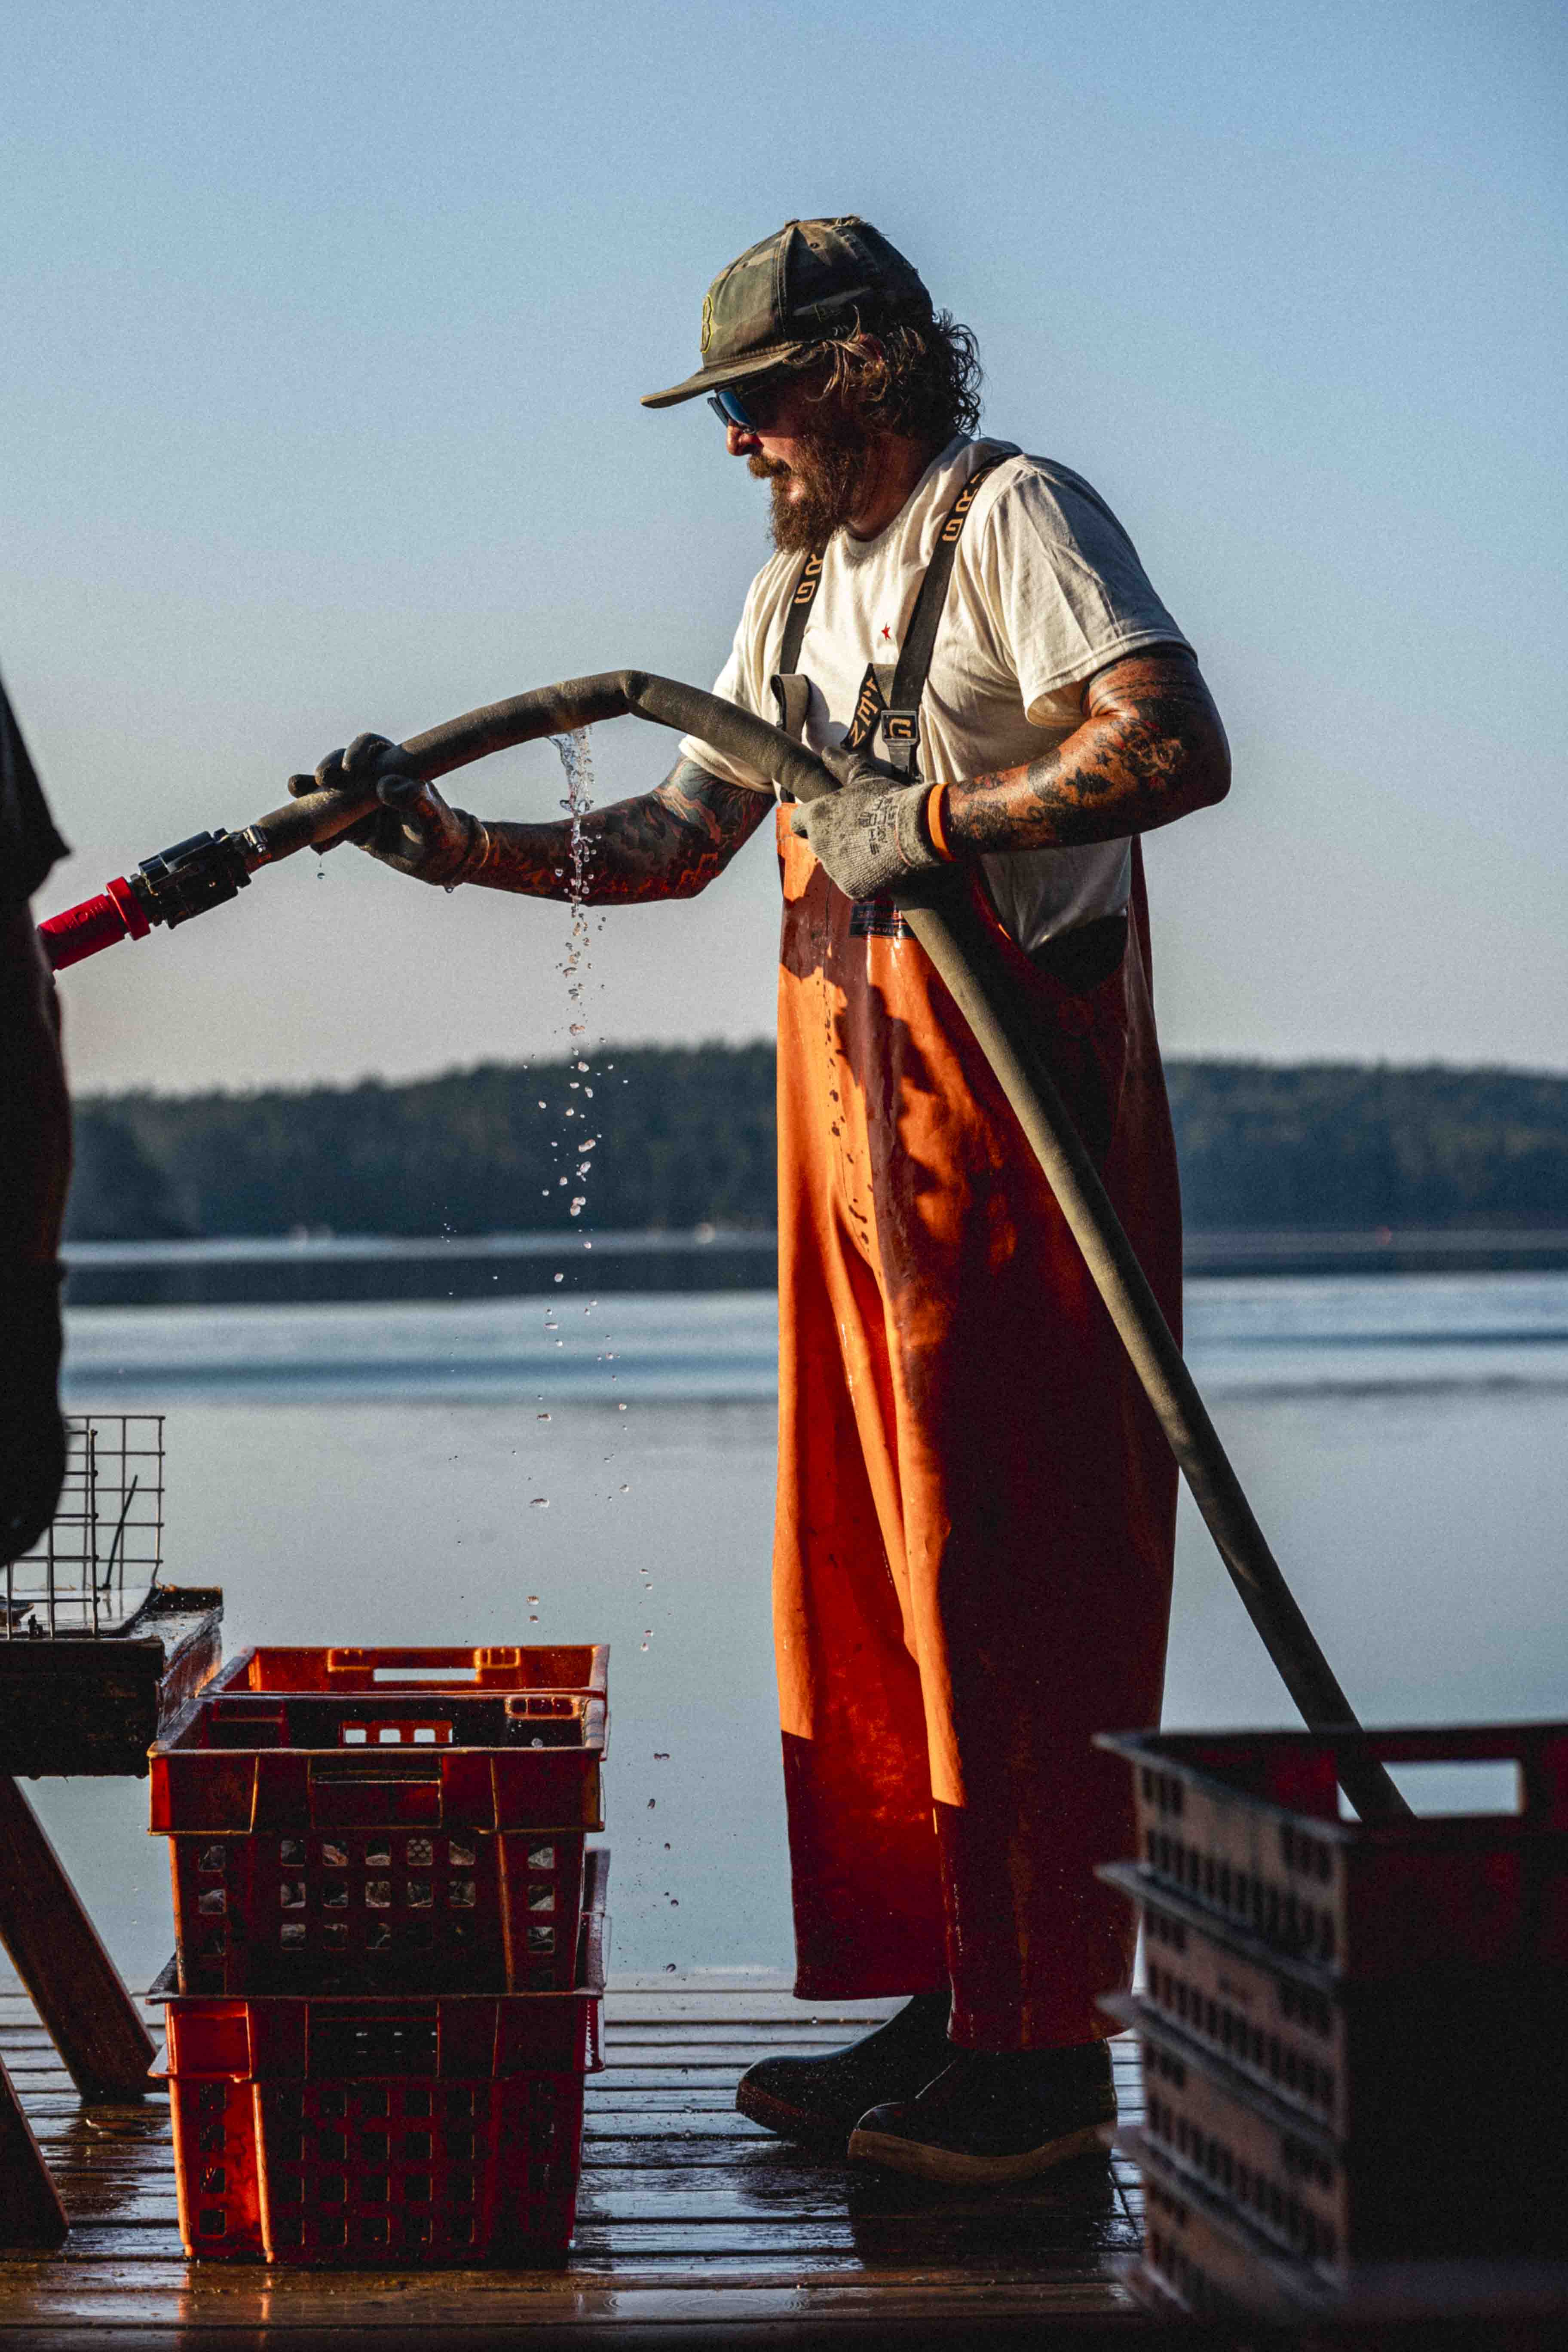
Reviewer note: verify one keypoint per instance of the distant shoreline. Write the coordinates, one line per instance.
(311, 1270)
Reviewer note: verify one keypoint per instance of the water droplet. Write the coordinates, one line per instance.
(541, 1416)
(539, 1503)
(620, 1408)
(626, 1490)
(561, 1277)
(533, 1599)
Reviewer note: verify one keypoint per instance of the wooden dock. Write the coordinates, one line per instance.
(692, 2223)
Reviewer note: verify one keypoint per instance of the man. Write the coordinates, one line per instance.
(975, 1507)
(34, 1161)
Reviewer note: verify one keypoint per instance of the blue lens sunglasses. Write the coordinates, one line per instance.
(729, 408)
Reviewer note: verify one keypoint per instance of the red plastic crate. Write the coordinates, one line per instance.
(353, 2132)
(365, 1844)
(577, 1667)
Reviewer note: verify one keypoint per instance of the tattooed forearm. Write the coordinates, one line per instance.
(668, 844)
(1151, 749)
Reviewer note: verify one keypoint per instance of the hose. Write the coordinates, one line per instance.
(948, 924)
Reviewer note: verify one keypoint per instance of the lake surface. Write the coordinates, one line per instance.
(416, 1473)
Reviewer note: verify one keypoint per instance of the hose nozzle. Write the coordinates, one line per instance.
(167, 889)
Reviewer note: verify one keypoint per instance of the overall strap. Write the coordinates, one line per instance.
(899, 707)
(894, 705)
(799, 612)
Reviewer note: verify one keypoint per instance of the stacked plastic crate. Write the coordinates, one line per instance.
(390, 1955)
(1352, 2034)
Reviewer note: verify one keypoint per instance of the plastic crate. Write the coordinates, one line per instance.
(1463, 2160)
(1247, 1825)
(1208, 2266)
(579, 1667)
(1341, 2053)
(1200, 2261)
(355, 2132)
(364, 1845)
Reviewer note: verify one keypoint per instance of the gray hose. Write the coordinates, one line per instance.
(944, 919)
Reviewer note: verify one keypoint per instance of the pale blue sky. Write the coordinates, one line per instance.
(318, 411)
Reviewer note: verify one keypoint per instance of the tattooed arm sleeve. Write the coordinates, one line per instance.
(668, 844)
(1151, 749)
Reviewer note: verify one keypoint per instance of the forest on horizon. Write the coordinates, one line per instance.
(685, 1138)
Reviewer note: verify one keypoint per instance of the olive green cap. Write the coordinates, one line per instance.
(796, 288)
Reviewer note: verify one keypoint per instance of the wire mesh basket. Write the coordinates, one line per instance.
(94, 1566)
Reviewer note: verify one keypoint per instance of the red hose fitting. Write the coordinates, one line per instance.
(97, 923)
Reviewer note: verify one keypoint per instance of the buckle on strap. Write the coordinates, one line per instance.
(902, 739)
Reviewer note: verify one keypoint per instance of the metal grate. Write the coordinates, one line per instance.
(99, 1558)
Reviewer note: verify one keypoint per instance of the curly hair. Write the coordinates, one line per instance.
(915, 372)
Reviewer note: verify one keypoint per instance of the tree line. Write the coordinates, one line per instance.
(684, 1137)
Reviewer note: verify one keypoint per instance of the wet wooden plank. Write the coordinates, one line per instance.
(688, 2211)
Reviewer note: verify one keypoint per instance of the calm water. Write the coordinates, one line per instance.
(370, 1474)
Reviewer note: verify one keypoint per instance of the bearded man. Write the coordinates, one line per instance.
(975, 1506)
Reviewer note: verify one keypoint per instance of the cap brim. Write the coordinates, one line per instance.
(710, 379)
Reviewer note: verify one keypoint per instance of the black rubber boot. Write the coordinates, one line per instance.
(990, 2118)
(820, 2099)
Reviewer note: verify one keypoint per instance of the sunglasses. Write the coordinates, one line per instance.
(753, 412)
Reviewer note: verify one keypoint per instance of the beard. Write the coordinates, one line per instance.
(829, 470)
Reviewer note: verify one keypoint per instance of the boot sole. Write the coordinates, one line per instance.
(953, 2165)
(791, 2123)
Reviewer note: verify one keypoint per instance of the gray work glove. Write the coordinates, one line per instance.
(415, 830)
(870, 835)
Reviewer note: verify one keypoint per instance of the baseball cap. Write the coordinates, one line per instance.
(798, 288)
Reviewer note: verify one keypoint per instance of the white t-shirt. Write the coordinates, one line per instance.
(1047, 589)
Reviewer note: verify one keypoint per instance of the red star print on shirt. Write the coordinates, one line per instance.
(886, 636)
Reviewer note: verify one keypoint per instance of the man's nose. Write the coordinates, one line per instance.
(740, 440)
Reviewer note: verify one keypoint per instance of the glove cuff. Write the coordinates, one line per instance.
(471, 858)
(916, 848)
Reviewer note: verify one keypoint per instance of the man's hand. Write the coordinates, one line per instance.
(415, 830)
(870, 835)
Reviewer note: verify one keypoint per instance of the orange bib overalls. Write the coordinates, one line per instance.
(976, 1508)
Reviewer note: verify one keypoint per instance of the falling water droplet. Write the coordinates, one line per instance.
(539, 1503)
(541, 1416)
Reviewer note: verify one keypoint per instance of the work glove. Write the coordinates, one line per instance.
(415, 830)
(870, 835)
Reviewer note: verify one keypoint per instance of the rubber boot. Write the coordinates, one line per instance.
(818, 2100)
(990, 2118)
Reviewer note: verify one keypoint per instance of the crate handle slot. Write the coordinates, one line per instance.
(394, 1764)
(452, 1665)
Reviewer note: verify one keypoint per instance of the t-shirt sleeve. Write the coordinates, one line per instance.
(1067, 592)
(741, 680)
(30, 845)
